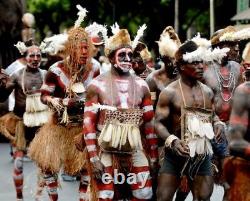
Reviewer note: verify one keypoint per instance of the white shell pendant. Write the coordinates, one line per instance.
(78, 88)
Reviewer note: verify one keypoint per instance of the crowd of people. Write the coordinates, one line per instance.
(101, 109)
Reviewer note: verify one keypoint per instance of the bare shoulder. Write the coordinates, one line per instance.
(207, 90)
(169, 91)
(141, 82)
(243, 89)
(150, 80)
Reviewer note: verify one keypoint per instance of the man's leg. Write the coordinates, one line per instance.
(142, 189)
(202, 188)
(167, 185)
(18, 173)
(51, 181)
(106, 190)
(83, 186)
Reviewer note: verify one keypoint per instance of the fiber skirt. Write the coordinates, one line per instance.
(53, 148)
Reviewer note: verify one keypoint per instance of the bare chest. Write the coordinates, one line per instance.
(122, 93)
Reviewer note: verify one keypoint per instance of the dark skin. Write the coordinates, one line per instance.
(159, 79)
(239, 118)
(138, 64)
(169, 107)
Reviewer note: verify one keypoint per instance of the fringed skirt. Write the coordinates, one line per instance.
(53, 148)
(12, 127)
(237, 174)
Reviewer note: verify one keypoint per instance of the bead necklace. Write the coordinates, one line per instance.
(225, 83)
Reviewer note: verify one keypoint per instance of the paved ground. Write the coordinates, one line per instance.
(68, 192)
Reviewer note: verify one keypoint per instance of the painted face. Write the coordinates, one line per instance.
(33, 57)
(193, 70)
(123, 59)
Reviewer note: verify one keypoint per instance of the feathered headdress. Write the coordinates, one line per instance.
(201, 42)
(142, 50)
(81, 15)
(223, 35)
(97, 33)
(120, 38)
(243, 34)
(22, 48)
(169, 42)
(54, 44)
(192, 52)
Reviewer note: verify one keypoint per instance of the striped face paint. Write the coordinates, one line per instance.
(123, 59)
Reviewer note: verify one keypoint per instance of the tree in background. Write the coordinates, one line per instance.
(55, 15)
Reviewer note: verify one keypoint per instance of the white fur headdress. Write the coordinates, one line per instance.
(81, 15)
(22, 48)
(169, 42)
(120, 38)
(206, 55)
(54, 44)
(94, 30)
(223, 35)
(243, 34)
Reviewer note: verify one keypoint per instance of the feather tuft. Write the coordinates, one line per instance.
(115, 28)
(22, 48)
(138, 35)
(81, 15)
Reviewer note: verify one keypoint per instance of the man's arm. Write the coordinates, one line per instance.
(89, 130)
(162, 114)
(218, 125)
(90, 123)
(239, 122)
(7, 84)
(152, 88)
(149, 130)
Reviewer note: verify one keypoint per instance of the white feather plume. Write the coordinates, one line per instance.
(201, 42)
(242, 34)
(54, 44)
(21, 47)
(115, 28)
(103, 107)
(81, 15)
(138, 35)
(229, 36)
(217, 54)
(95, 28)
(196, 55)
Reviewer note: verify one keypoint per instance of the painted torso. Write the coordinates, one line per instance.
(216, 77)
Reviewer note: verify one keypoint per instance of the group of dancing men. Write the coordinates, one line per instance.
(179, 128)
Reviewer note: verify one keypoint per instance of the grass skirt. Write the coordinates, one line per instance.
(54, 148)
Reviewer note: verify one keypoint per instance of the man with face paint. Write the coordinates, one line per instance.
(118, 125)
(159, 79)
(27, 83)
(141, 56)
(184, 109)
